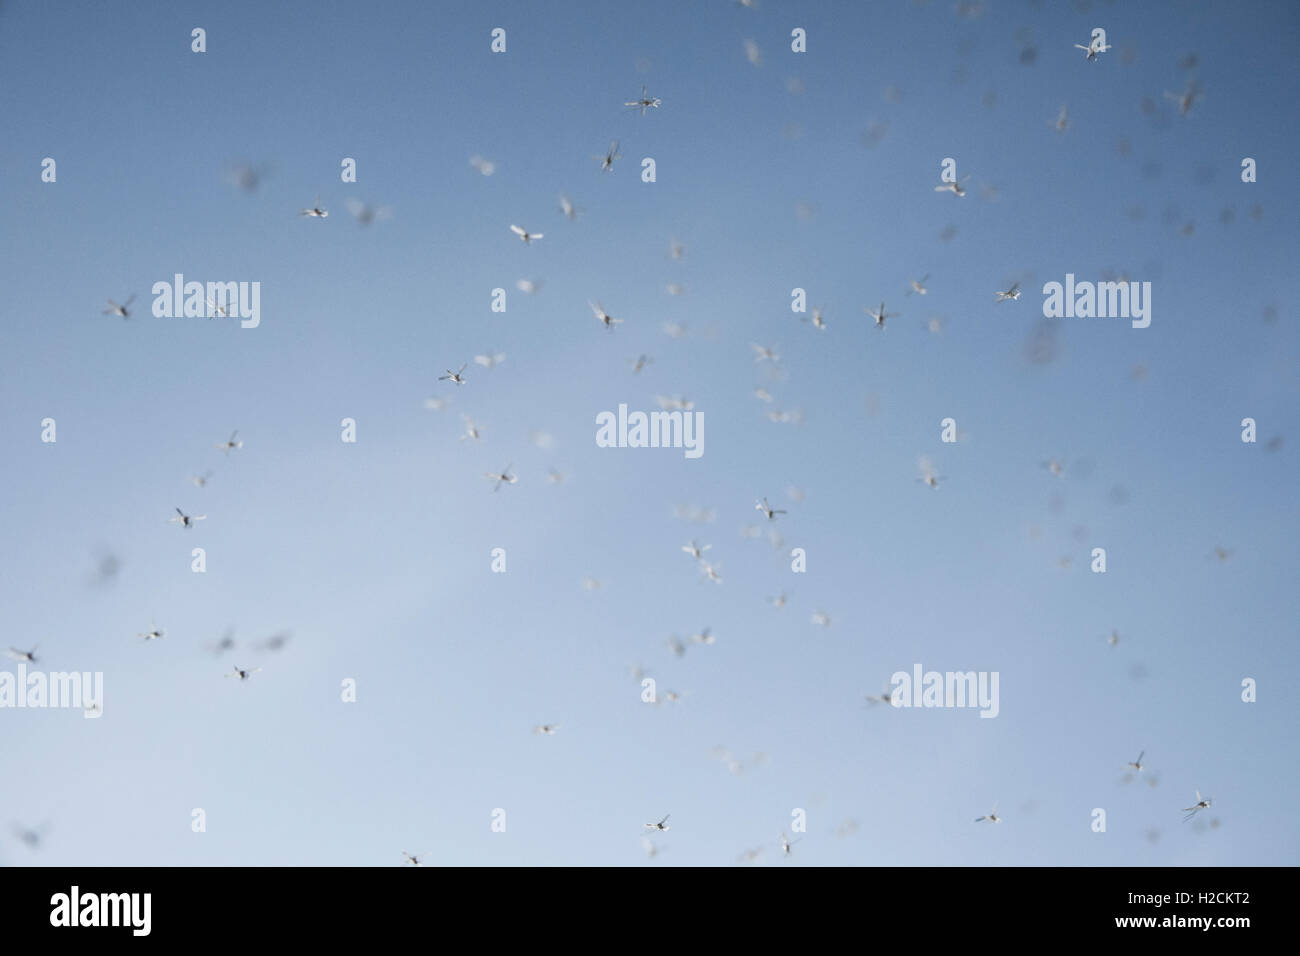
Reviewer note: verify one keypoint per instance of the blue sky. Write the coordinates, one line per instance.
(376, 555)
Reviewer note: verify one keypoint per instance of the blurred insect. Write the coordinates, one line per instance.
(184, 520)
(640, 362)
(918, 285)
(674, 403)
(887, 697)
(991, 818)
(247, 178)
(243, 674)
(646, 102)
(503, 478)
(1137, 764)
(605, 318)
(607, 161)
(1013, 293)
(1200, 804)
(201, 481)
(106, 567)
(316, 212)
(568, 208)
(763, 506)
(764, 354)
(454, 377)
(547, 730)
(485, 167)
(880, 315)
(30, 837)
(275, 642)
(705, 636)
(1062, 119)
(661, 826)
(1187, 99)
(365, 214)
(954, 187)
(929, 477)
(26, 657)
(524, 235)
(409, 859)
(230, 443)
(1093, 48)
(733, 763)
(119, 310)
(694, 513)
(696, 551)
(227, 643)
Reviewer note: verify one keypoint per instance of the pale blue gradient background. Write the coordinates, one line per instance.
(376, 555)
